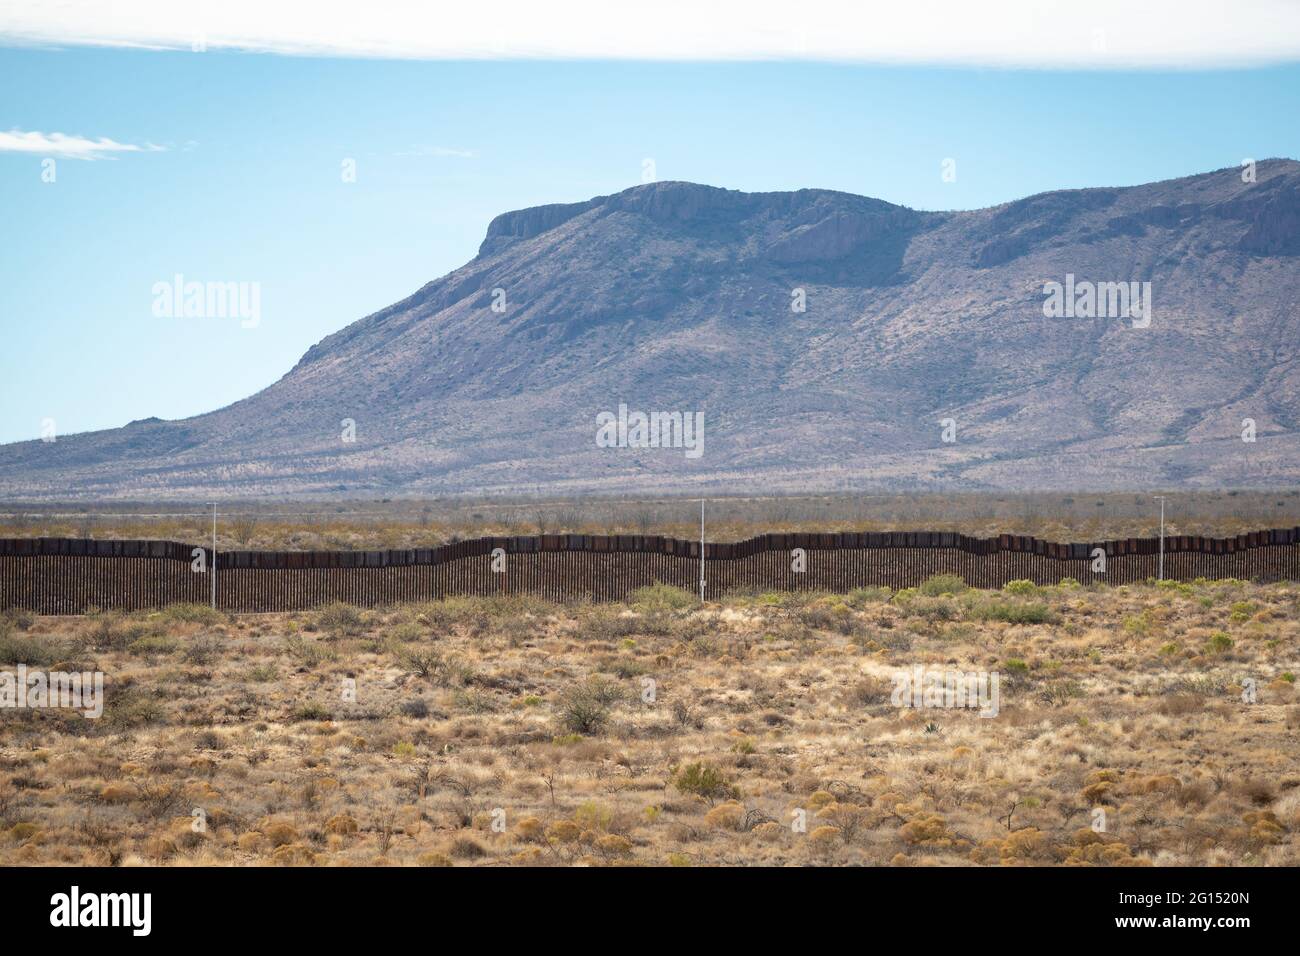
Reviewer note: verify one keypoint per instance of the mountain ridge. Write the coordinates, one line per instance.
(678, 296)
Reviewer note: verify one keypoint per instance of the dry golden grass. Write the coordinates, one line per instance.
(495, 732)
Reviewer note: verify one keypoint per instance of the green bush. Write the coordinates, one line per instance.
(860, 596)
(704, 781)
(419, 659)
(153, 645)
(941, 584)
(1020, 586)
(1219, 643)
(664, 597)
(912, 604)
(1139, 625)
(193, 614)
(339, 620)
(112, 631)
(585, 709)
(407, 632)
(311, 712)
(26, 649)
(1014, 612)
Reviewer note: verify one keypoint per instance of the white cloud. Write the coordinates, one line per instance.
(1078, 34)
(67, 147)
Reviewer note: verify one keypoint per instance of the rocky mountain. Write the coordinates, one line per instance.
(674, 297)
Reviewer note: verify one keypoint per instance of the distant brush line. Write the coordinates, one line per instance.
(27, 515)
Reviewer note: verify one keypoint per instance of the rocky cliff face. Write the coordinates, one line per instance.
(675, 297)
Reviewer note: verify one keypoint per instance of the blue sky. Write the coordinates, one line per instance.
(247, 186)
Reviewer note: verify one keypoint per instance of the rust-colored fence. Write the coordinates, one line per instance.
(68, 575)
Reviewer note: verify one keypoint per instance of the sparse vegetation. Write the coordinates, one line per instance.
(664, 732)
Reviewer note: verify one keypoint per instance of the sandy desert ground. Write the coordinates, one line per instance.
(1154, 724)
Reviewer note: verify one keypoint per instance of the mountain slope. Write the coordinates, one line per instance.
(677, 297)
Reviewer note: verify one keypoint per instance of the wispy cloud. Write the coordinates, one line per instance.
(68, 147)
(439, 151)
(1074, 34)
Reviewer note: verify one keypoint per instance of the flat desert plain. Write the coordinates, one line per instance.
(1153, 724)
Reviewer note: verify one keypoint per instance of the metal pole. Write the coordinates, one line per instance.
(1161, 499)
(214, 556)
(701, 550)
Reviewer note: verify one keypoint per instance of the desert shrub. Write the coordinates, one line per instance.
(1242, 610)
(705, 781)
(584, 709)
(1180, 705)
(475, 701)
(339, 620)
(622, 666)
(467, 848)
(310, 711)
(420, 660)
(1202, 684)
(860, 596)
(829, 617)
(614, 844)
(309, 653)
(16, 617)
(726, 816)
(1058, 692)
(610, 624)
(112, 631)
(940, 608)
(202, 651)
(925, 828)
(868, 691)
(417, 708)
(662, 596)
(132, 707)
(1139, 625)
(941, 584)
(593, 816)
(153, 645)
(26, 649)
(1013, 612)
(192, 614)
(1219, 643)
(407, 632)
(1020, 586)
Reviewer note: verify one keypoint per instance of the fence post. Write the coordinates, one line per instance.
(1161, 499)
(214, 556)
(701, 550)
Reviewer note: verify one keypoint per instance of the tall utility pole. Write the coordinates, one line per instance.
(1161, 499)
(213, 568)
(701, 550)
